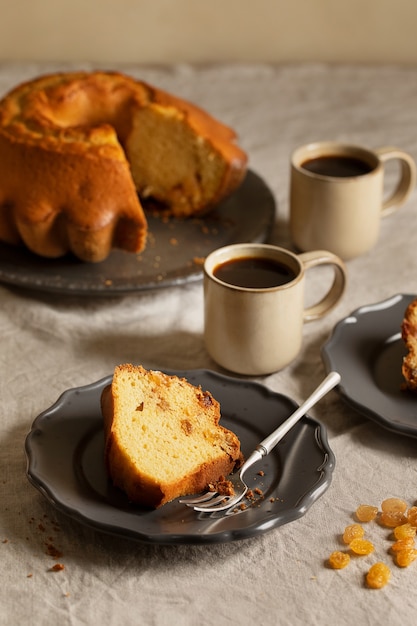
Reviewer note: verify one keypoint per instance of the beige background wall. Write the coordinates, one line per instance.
(160, 31)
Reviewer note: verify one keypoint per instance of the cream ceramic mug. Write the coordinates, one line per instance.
(337, 196)
(254, 307)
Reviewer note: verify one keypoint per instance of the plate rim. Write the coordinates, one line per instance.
(270, 521)
(331, 361)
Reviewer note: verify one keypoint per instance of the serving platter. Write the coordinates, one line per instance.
(173, 256)
(65, 462)
(367, 350)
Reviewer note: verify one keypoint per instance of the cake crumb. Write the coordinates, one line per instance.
(58, 567)
(52, 551)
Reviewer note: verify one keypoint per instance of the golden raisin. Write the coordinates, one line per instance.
(412, 516)
(338, 560)
(354, 531)
(392, 519)
(361, 546)
(404, 558)
(405, 530)
(378, 575)
(402, 544)
(394, 505)
(366, 512)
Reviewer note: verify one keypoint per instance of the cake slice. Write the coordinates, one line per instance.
(409, 335)
(162, 436)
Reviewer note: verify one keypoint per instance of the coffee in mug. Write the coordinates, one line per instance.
(254, 272)
(337, 196)
(254, 308)
(337, 165)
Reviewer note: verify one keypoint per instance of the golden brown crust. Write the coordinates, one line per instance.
(72, 150)
(127, 457)
(409, 336)
(71, 211)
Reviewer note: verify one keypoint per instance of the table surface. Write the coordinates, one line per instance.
(52, 343)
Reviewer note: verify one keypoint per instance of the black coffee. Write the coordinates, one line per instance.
(254, 272)
(337, 166)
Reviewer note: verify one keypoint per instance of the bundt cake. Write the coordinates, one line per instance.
(409, 335)
(162, 436)
(76, 149)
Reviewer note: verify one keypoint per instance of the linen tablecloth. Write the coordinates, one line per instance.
(51, 343)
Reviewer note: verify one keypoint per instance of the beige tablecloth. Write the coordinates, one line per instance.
(52, 343)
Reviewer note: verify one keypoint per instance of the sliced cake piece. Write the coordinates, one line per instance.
(409, 335)
(162, 436)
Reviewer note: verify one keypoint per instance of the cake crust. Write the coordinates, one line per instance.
(409, 336)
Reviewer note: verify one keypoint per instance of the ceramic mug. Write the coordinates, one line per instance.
(337, 196)
(254, 307)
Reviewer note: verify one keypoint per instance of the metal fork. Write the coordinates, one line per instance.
(212, 501)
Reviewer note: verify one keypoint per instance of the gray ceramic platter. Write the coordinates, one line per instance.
(64, 452)
(367, 350)
(173, 255)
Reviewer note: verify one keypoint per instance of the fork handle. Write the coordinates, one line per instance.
(269, 443)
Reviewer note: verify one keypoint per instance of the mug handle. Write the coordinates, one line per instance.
(407, 178)
(333, 295)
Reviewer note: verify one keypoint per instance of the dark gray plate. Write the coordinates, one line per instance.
(367, 350)
(65, 462)
(173, 255)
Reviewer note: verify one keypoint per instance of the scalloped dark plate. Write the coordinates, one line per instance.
(65, 463)
(172, 257)
(367, 350)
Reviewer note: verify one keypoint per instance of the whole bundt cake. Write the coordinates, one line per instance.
(76, 150)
